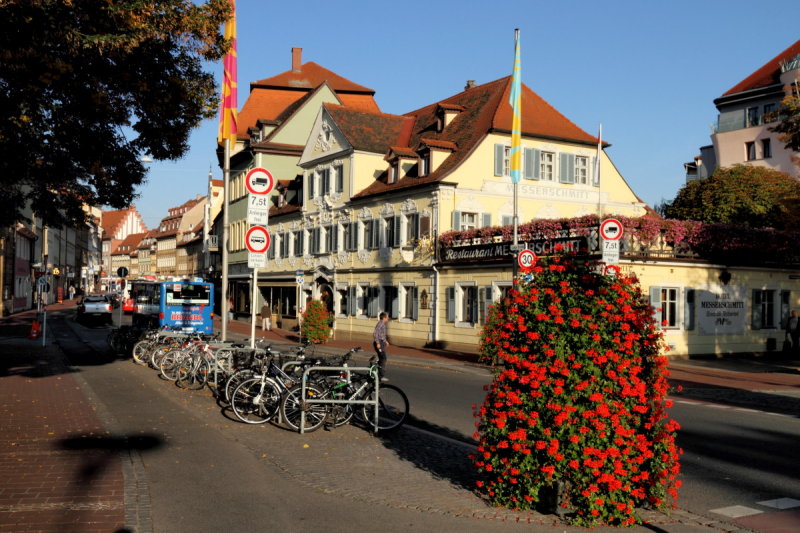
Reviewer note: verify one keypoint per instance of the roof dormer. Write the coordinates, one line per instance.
(445, 113)
(432, 153)
(402, 160)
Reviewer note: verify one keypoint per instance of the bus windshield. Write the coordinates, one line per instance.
(187, 294)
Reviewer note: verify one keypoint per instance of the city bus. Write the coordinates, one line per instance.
(184, 305)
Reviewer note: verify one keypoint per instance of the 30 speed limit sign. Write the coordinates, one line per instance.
(526, 259)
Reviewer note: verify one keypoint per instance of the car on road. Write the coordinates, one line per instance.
(95, 308)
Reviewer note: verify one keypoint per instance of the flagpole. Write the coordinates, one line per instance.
(226, 173)
(516, 134)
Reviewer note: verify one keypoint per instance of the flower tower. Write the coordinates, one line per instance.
(316, 325)
(577, 404)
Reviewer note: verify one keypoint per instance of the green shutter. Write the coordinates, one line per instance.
(535, 162)
(451, 304)
(351, 300)
(757, 318)
(397, 223)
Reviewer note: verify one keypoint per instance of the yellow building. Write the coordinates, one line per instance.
(410, 215)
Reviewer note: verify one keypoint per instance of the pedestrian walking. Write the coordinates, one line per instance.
(266, 318)
(230, 308)
(793, 331)
(380, 342)
(72, 292)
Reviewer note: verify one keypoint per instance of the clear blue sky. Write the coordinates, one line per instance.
(649, 71)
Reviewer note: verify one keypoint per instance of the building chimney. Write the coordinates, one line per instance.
(470, 84)
(297, 59)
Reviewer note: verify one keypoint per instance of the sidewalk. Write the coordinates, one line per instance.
(54, 477)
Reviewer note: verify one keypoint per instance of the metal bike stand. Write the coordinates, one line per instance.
(348, 369)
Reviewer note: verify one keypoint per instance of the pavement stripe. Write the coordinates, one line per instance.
(736, 511)
(781, 503)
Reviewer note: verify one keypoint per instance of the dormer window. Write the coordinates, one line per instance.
(424, 163)
(394, 172)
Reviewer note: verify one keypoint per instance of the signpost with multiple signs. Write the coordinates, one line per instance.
(611, 231)
(259, 183)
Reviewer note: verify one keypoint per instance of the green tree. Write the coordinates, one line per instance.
(741, 195)
(89, 87)
(788, 118)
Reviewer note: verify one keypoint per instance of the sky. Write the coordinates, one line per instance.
(648, 71)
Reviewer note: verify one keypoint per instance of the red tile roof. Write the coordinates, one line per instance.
(486, 110)
(767, 75)
(276, 97)
(129, 244)
(371, 132)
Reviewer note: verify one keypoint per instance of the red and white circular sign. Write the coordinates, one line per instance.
(526, 259)
(611, 229)
(259, 181)
(257, 239)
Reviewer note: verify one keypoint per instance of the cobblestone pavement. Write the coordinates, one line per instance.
(52, 480)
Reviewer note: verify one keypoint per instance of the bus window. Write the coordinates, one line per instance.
(187, 294)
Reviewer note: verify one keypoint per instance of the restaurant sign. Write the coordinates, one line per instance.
(494, 251)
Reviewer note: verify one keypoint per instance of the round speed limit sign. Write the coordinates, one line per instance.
(526, 259)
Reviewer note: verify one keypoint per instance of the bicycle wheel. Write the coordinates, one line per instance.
(256, 400)
(234, 381)
(141, 352)
(392, 408)
(293, 406)
(170, 364)
(192, 374)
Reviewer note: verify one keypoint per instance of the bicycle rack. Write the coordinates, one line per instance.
(348, 369)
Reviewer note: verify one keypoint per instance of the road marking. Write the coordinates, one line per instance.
(736, 511)
(781, 503)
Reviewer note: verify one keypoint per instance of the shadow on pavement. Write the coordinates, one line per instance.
(443, 458)
(763, 401)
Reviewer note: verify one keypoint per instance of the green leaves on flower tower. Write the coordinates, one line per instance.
(578, 398)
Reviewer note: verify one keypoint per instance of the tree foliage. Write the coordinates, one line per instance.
(91, 86)
(788, 124)
(743, 195)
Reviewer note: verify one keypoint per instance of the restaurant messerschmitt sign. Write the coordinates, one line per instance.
(721, 311)
(497, 251)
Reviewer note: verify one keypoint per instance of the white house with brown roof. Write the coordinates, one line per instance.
(742, 133)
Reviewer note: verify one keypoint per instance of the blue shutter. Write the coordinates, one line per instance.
(567, 168)
(451, 304)
(414, 303)
(487, 220)
(499, 156)
(655, 301)
(688, 310)
(456, 220)
(595, 174)
(536, 157)
(527, 163)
